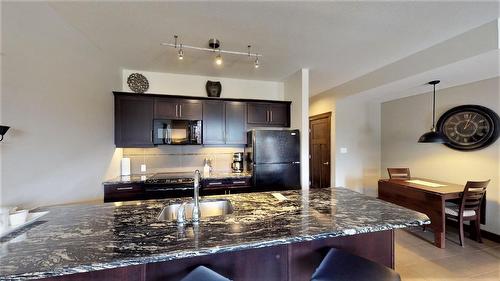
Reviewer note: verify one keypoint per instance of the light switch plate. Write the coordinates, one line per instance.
(143, 168)
(343, 150)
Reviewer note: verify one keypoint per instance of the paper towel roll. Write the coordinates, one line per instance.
(125, 166)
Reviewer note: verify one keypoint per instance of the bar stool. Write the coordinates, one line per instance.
(341, 266)
(202, 273)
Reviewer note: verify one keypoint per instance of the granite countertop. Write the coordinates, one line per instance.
(140, 178)
(227, 175)
(134, 178)
(81, 238)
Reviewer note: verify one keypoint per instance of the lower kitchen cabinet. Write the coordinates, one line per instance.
(124, 192)
(290, 262)
(225, 186)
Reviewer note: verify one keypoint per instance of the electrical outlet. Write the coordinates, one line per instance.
(343, 150)
(143, 168)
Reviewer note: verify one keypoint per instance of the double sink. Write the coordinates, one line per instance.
(208, 208)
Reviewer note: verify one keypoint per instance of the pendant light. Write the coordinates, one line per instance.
(433, 136)
(3, 130)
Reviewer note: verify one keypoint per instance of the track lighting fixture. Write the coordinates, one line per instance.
(214, 45)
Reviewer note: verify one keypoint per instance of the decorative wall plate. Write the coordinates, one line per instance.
(137, 83)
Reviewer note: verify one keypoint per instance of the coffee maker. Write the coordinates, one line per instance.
(237, 165)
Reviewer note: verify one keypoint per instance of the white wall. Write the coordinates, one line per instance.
(324, 103)
(194, 85)
(297, 90)
(357, 128)
(56, 96)
(405, 120)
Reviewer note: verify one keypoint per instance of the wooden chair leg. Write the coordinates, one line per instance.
(478, 230)
(461, 230)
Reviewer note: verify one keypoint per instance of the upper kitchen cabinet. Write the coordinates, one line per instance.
(172, 108)
(133, 121)
(236, 122)
(213, 122)
(275, 114)
(224, 122)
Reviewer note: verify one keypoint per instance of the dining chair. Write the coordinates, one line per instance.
(469, 208)
(399, 173)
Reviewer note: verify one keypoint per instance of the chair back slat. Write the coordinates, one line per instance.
(472, 195)
(399, 173)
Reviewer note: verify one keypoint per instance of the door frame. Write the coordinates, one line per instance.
(316, 117)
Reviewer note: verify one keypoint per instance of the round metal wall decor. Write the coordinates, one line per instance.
(137, 83)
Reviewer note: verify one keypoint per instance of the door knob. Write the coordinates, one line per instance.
(326, 163)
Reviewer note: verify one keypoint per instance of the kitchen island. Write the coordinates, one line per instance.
(264, 236)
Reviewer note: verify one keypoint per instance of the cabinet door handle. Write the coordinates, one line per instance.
(176, 110)
(326, 163)
(214, 183)
(271, 115)
(267, 116)
(239, 182)
(124, 188)
(180, 110)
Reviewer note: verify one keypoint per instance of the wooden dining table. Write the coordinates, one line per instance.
(426, 196)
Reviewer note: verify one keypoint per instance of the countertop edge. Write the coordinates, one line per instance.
(203, 252)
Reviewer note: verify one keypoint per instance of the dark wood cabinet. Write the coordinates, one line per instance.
(214, 122)
(124, 192)
(236, 122)
(173, 108)
(279, 115)
(133, 121)
(224, 122)
(269, 114)
(225, 186)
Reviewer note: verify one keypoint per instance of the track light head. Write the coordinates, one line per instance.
(181, 53)
(256, 63)
(218, 59)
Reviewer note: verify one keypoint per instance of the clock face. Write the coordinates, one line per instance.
(469, 127)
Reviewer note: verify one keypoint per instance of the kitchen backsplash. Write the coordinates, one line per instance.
(179, 158)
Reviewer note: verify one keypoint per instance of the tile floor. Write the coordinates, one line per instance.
(417, 259)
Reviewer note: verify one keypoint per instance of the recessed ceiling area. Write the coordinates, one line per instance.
(337, 41)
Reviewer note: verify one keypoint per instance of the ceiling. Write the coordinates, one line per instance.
(337, 41)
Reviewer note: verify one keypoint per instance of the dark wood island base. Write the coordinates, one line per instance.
(295, 261)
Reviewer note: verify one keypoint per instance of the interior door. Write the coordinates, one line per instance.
(319, 148)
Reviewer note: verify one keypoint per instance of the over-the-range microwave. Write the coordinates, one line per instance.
(178, 132)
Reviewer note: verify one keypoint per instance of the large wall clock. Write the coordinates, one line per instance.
(469, 127)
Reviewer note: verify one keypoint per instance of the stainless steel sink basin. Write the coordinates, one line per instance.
(208, 208)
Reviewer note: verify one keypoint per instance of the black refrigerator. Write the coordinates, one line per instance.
(273, 158)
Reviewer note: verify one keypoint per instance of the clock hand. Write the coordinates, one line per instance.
(467, 124)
